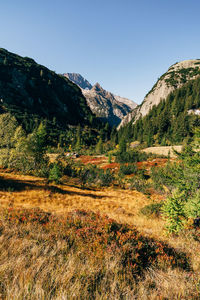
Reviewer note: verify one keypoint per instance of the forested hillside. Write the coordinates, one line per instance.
(28, 89)
(171, 121)
(176, 76)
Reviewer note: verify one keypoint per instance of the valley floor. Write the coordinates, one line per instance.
(20, 191)
(119, 204)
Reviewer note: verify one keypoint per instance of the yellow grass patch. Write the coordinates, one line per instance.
(121, 205)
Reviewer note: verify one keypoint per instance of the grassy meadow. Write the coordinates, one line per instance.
(69, 241)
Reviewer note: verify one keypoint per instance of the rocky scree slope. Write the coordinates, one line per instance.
(176, 76)
(29, 88)
(105, 105)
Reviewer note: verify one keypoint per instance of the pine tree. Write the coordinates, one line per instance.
(99, 146)
(122, 145)
(8, 126)
(37, 145)
(185, 201)
(78, 138)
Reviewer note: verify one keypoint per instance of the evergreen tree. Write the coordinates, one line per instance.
(185, 201)
(78, 138)
(8, 126)
(122, 145)
(99, 146)
(37, 145)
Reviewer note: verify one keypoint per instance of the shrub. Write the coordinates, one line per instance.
(105, 177)
(71, 168)
(92, 175)
(139, 184)
(130, 156)
(4, 157)
(88, 175)
(153, 209)
(192, 208)
(128, 169)
(184, 203)
(165, 176)
(55, 172)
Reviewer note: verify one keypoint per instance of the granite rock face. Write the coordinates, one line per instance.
(177, 75)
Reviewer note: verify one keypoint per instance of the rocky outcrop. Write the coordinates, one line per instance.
(105, 105)
(79, 80)
(126, 101)
(177, 75)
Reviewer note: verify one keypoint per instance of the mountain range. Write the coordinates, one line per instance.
(105, 105)
(167, 115)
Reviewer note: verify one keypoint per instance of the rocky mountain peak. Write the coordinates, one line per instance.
(97, 87)
(105, 105)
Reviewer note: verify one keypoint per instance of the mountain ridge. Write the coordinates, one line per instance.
(104, 104)
(175, 77)
(28, 87)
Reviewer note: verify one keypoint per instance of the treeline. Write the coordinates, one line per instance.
(168, 123)
(75, 138)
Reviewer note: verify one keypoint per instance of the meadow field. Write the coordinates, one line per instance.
(67, 241)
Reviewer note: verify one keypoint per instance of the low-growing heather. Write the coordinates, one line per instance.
(82, 255)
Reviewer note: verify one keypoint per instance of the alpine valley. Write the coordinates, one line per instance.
(89, 211)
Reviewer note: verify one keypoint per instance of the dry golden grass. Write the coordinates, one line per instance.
(121, 205)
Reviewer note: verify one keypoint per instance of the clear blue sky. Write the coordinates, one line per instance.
(125, 45)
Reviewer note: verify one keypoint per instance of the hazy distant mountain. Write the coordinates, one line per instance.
(105, 105)
(27, 88)
(176, 76)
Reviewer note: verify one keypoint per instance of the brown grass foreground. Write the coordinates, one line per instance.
(86, 256)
